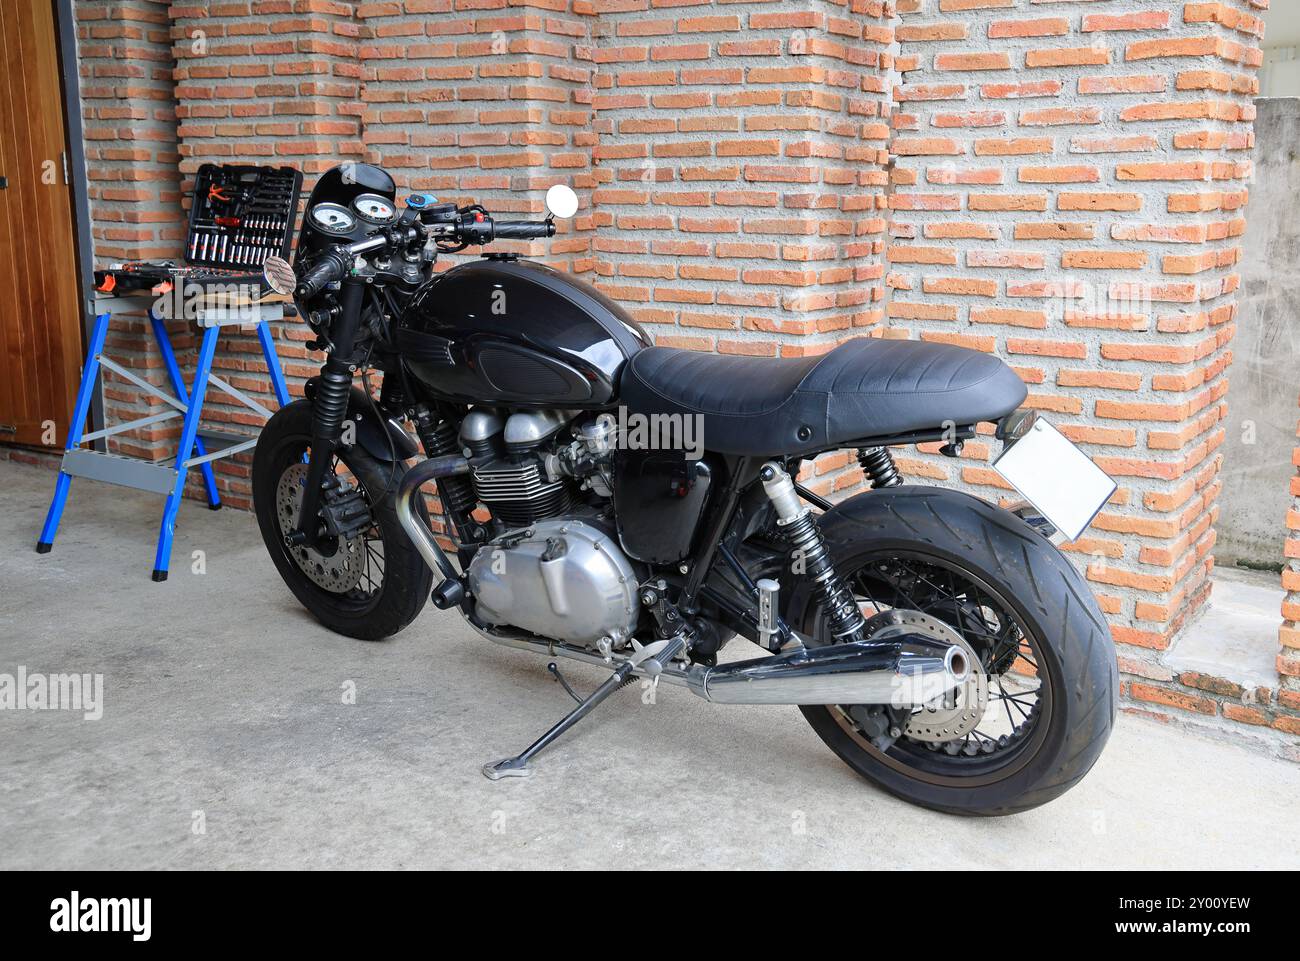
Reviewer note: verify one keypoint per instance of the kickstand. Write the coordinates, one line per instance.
(555, 669)
(651, 657)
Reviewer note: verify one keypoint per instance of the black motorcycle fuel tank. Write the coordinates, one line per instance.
(513, 332)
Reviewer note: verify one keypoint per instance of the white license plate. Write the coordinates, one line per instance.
(1056, 477)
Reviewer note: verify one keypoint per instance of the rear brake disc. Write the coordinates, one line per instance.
(959, 711)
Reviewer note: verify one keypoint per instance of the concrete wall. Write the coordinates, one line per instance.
(1264, 382)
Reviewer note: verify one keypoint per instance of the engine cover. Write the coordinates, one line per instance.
(561, 578)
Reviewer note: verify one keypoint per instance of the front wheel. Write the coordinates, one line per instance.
(368, 584)
(1041, 701)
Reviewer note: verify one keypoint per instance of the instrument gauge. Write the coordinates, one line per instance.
(374, 209)
(332, 218)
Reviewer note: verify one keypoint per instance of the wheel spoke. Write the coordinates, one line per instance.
(982, 620)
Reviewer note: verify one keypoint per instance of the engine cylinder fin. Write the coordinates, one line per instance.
(519, 493)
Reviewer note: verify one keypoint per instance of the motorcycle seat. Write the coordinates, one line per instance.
(864, 388)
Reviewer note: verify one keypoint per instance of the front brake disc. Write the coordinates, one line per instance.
(338, 572)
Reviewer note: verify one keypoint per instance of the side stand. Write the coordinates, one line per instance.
(650, 659)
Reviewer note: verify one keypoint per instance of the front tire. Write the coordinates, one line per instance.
(965, 559)
(367, 604)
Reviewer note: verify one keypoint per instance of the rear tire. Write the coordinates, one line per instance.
(1047, 600)
(406, 580)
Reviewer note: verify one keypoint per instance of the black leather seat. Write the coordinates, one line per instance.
(864, 388)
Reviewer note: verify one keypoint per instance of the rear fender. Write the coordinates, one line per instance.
(892, 516)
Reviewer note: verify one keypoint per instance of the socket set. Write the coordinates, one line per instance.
(241, 215)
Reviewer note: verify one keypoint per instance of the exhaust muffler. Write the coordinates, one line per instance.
(902, 673)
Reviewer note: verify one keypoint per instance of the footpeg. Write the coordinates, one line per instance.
(768, 591)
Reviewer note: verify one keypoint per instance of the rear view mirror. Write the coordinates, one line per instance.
(278, 275)
(561, 201)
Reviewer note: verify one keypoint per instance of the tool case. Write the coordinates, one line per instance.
(239, 216)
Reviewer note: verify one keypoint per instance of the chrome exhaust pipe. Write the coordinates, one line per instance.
(430, 470)
(902, 673)
(908, 674)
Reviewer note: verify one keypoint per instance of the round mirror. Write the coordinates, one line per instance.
(561, 201)
(278, 274)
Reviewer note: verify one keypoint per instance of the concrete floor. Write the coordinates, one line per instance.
(223, 697)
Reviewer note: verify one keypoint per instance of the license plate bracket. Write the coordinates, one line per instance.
(1056, 477)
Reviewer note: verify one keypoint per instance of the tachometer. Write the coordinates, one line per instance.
(374, 209)
(332, 218)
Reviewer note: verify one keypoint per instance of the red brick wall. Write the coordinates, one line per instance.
(741, 171)
(1288, 659)
(134, 188)
(1068, 193)
(484, 102)
(274, 82)
(129, 118)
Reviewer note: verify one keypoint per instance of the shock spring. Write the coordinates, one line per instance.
(810, 555)
(878, 467)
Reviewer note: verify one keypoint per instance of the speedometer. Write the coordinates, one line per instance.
(374, 209)
(332, 218)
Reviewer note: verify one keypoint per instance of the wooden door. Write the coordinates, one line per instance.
(40, 316)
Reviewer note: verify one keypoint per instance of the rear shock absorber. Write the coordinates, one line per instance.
(878, 467)
(801, 530)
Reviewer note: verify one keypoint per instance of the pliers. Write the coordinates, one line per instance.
(218, 192)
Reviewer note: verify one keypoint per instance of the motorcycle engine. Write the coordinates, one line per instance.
(561, 578)
(557, 569)
(530, 465)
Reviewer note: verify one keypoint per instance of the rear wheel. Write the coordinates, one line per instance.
(368, 584)
(1041, 700)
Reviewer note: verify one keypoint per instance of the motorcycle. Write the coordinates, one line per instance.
(639, 507)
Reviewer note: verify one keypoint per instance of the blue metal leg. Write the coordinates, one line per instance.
(273, 363)
(178, 386)
(189, 434)
(86, 390)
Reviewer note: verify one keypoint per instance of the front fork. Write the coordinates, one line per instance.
(329, 408)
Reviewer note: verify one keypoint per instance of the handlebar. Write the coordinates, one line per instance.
(522, 229)
(334, 265)
(328, 269)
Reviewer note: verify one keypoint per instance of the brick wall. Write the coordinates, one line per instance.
(1060, 181)
(484, 103)
(134, 188)
(1288, 659)
(741, 171)
(1068, 192)
(129, 117)
(274, 82)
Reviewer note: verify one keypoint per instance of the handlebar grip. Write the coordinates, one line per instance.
(522, 229)
(330, 268)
